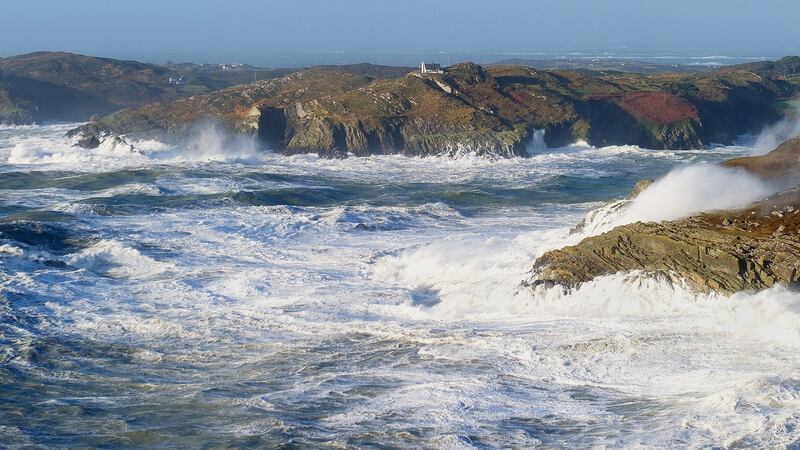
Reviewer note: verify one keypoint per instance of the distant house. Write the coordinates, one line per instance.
(431, 68)
(230, 66)
(177, 80)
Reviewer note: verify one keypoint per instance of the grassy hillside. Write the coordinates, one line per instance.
(340, 110)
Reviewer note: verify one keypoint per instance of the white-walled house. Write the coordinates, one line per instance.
(430, 68)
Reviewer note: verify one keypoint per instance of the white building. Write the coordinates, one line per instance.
(431, 68)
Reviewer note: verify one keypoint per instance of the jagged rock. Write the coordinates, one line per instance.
(695, 250)
(89, 142)
(470, 108)
(707, 250)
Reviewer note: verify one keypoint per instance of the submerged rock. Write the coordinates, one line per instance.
(88, 142)
(639, 187)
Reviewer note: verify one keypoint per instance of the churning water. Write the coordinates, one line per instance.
(215, 295)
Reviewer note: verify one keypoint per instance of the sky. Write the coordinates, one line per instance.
(284, 33)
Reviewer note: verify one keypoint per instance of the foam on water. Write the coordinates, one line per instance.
(394, 318)
(115, 259)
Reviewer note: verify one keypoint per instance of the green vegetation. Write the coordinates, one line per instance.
(366, 109)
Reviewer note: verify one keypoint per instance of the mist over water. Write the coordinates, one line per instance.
(215, 294)
(773, 135)
(695, 188)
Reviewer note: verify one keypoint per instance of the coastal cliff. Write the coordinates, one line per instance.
(472, 108)
(725, 251)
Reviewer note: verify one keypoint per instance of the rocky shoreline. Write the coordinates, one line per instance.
(470, 108)
(747, 249)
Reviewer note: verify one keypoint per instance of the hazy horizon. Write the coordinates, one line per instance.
(543, 253)
(283, 34)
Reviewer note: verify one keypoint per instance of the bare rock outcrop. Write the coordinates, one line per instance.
(725, 251)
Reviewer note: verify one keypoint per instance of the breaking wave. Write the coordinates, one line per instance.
(367, 300)
(112, 258)
(682, 192)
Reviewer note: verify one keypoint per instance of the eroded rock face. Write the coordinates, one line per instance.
(720, 252)
(726, 251)
(469, 109)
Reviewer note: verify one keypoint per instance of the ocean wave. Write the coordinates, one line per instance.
(682, 192)
(481, 278)
(400, 319)
(146, 189)
(10, 250)
(114, 259)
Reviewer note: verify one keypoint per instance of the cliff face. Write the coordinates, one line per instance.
(727, 251)
(493, 110)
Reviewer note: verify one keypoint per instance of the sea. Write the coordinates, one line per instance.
(214, 294)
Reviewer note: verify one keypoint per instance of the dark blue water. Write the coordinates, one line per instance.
(163, 299)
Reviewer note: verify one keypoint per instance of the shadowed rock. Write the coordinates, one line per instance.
(470, 108)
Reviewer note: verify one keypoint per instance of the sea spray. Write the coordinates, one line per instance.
(682, 192)
(696, 188)
(396, 315)
(773, 135)
(209, 140)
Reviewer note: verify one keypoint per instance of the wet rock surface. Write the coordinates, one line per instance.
(725, 251)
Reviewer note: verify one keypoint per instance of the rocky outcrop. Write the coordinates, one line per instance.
(470, 108)
(783, 162)
(725, 251)
(746, 250)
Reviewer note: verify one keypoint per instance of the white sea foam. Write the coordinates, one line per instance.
(682, 192)
(10, 250)
(117, 260)
(62, 152)
(394, 319)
